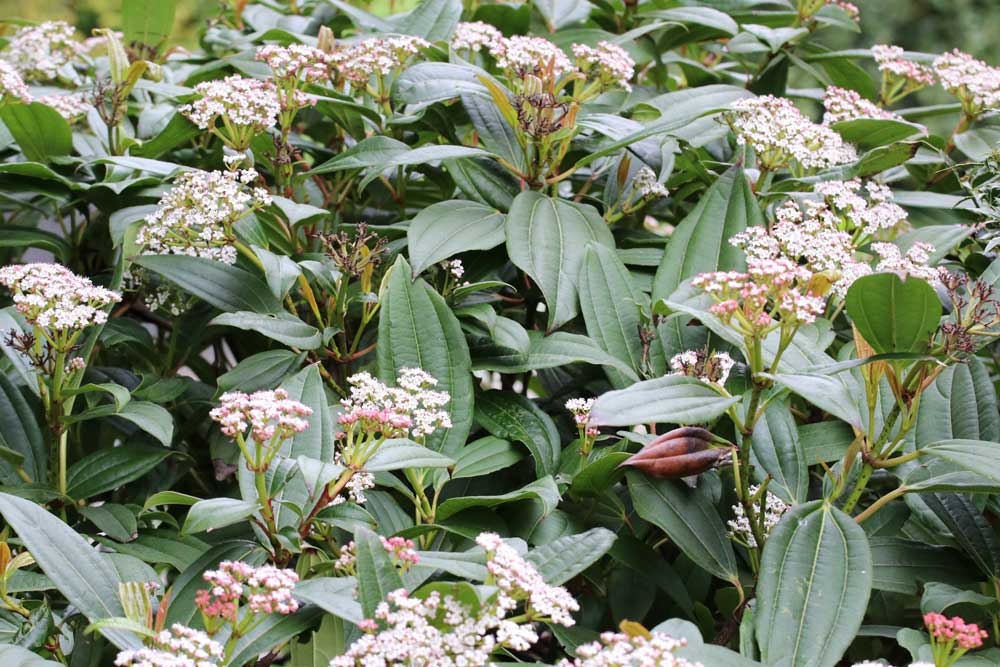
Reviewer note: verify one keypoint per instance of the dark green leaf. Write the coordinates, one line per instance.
(207, 515)
(673, 399)
(38, 129)
(513, 417)
(111, 468)
(894, 315)
(448, 228)
(284, 328)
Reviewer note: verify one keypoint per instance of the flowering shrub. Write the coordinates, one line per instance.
(580, 334)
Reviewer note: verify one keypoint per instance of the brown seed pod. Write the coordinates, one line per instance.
(671, 448)
(684, 432)
(674, 467)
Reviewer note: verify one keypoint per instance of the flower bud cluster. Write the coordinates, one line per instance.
(522, 55)
(376, 57)
(296, 62)
(244, 104)
(518, 581)
(37, 52)
(265, 590)
(197, 215)
(401, 550)
(895, 67)
(411, 409)
(973, 82)
(842, 105)
(648, 185)
(782, 136)
(617, 649)
(268, 414)
(53, 297)
(475, 36)
(580, 409)
(12, 86)
(71, 107)
(180, 646)
(954, 631)
(607, 63)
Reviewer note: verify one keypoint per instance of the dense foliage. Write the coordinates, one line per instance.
(566, 333)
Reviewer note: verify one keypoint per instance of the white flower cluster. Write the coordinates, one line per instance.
(617, 649)
(842, 105)
(913, 263)
(518, 580)
(712, 369)
(38, 51)
(647, 184)
(826, 232)
(267, 413)
(973, 82)
(239, 101)
(454, 267)
(12, 86)
(297, 62)
(197, 215)
(53, 297)
(739, 526)
(181, 646)
(475, 36)
(892, 62)
(436, 630)
(411, 408)
(608, 63)
(781, 135)
(377, 56)
(524, 55)
(71, 107)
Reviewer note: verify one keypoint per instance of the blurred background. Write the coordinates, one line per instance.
(916, 25)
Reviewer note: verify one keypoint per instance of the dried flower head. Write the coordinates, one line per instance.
(713, 369)
(54, 298)
(475, 36)
(608, 64)
(843, 105)
(519, 581)
(12, 86)
(197, 215)
(973, 82)
(37, 52)
(354, 254)
(783, 137)
(617, 649)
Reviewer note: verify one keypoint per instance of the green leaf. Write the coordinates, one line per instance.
(208, 515)
(120, 394)
(284, 328)
(448, 228)
(226, 287)
(334, 595)
(513, 417)
(776, 450)
(688, 518)
(16, 236)
(823, 391)
(960, 404)
(901, 566)
(88, 580)
(892, 314)
(418, 330)
(816, 578)
(39, 130)
(484, 456)
(611, 306)
(168, 498)
(275, 630)
(148, 21)
(429, 82)
(701, 241)
(547, 239)
(377, 576)
(564, 558)
(493, 130)
(261, 371)
(559, 348)
(280, 271)
(20, 432)
(543, 490)
(872, 132)
(117, 521)
(12, 655)
(151, 418)
(434, 20)
(111, 468)
(400, 453)
(673, 399)
(697, 24)
(977, 456)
